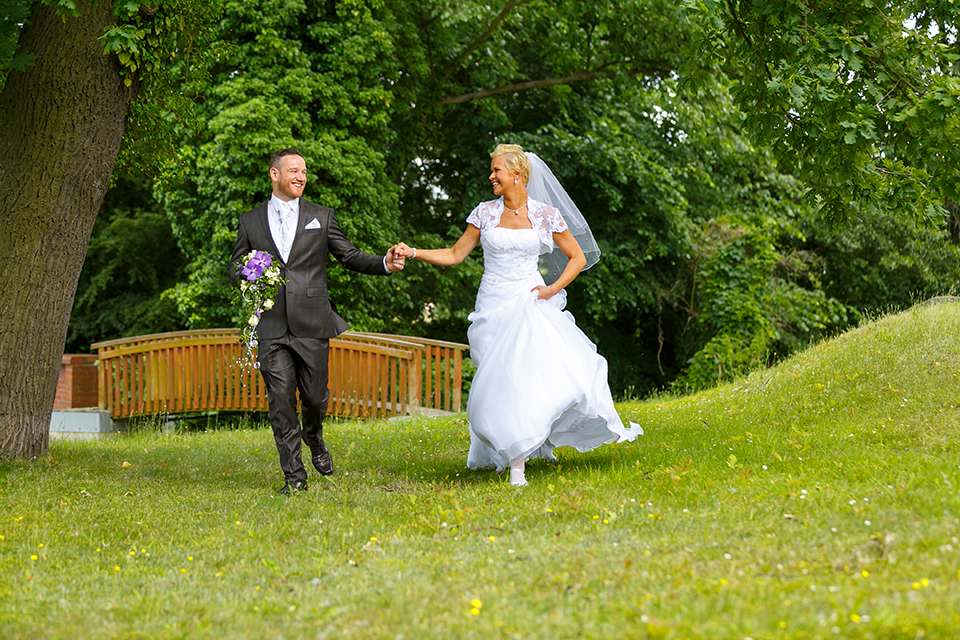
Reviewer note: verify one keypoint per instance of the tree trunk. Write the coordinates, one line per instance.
(61, 121)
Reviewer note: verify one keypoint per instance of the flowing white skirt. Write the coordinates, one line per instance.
(540, 383)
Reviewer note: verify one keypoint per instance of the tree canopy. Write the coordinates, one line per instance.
(715, 257)
(706, 144)
(859, 99)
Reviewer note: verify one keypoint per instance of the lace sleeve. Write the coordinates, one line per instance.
(546, 221)
(486, 215)
(554, 221)
(474, 218)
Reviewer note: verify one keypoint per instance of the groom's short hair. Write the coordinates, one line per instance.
(282, 153)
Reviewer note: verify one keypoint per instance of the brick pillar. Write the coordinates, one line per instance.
(77, 386)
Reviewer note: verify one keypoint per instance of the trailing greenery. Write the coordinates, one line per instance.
(813, 499)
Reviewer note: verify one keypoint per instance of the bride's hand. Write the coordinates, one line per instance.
(402, 249)
(543, 292)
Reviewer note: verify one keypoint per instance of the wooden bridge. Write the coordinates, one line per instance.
(371, 375)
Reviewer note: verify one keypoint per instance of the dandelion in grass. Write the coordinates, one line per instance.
(493, 538)
(475, 606)
(33, 557)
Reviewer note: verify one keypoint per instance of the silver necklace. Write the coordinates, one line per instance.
(515, 211)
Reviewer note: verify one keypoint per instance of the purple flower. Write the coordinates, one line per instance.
(256, 265)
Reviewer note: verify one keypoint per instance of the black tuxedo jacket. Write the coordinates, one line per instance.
(302, 305)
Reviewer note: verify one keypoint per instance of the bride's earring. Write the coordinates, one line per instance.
(514, 181)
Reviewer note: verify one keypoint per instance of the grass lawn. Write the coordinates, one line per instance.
(815, 499)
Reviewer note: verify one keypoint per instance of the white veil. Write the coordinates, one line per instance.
(544, 187)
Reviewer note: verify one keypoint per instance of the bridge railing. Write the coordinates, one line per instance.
(371, 375)
(438, 368)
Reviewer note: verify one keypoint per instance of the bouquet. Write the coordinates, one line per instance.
(259, 282)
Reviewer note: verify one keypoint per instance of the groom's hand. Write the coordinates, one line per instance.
(394, 259)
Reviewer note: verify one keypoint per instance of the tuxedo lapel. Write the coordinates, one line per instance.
(305, 214)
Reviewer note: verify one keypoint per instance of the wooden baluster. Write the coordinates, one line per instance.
(438, 363)
(117, 386)
(333, 380)
(427, 375)
(402, 367)
(447, 396)
(102, 379)
(392, 382)
(457, 379)
(383, 392)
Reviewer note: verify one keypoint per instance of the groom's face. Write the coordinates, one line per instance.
(289, 178)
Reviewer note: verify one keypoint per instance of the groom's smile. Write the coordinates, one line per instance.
(290, 178)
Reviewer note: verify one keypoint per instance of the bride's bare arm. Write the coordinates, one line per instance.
(575, 263)
(449, 256)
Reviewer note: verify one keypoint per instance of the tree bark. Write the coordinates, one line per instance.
(61, 120)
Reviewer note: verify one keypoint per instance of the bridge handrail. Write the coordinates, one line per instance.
(371, 375)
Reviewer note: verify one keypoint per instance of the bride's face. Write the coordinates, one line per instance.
(501, 177)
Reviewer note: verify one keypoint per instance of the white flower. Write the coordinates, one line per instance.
(268, 304)
(253, 320)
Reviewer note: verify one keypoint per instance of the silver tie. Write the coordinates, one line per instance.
(287, 227)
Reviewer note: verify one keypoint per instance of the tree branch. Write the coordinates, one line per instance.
(737, 25)
(582, 76)
(511, 4)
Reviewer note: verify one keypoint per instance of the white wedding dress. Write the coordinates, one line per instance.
(540, 383)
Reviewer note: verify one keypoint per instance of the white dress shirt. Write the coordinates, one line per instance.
(276, 210)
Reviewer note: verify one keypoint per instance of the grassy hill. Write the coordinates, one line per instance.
(815, 499)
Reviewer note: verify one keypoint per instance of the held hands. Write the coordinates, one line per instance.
(395, 258)
(403, 250)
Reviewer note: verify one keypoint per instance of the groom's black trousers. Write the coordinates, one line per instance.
(288, 364)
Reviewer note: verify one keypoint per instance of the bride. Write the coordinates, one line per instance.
(540, 383)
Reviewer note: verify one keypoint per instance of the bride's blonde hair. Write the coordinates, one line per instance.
(514, 158)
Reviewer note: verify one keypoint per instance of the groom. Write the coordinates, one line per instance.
(294, 335)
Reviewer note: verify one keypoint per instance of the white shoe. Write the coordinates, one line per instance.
(517, 478)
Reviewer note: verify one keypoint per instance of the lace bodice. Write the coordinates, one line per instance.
(509, 256)
(544, 219)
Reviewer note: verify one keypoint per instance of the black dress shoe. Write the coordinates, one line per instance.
(289, 488)
(323, 462)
